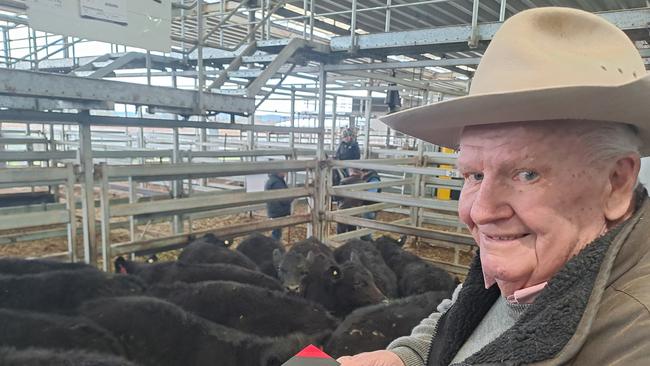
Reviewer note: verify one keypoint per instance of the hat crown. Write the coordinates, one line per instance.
(556, 47)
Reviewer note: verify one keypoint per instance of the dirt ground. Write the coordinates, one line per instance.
(290, 235)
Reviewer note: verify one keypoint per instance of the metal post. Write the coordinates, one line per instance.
(333, 140)
(262, 15)
(502, 11)
(223, 11)
(177, 185)
(304, 19)
(473, 40)
(251, 24)
(35, 50)
(388, 13)
(366, 138)
(268, 21)
(5, 44)
(311, 20)
(353, 25)
(322, 100)
(71, 205)
(105, 220)
(201, 70)
(148, 66)
(87, 199)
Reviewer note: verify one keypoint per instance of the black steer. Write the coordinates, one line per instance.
(48, 357)
(210, 249)
(248, 308)
(63, 291)
(373, 261)
(159, 333)
(19, 266)
(169, 272)
(293, 267)
(414, 275)
(373, 327)
(24, 329)
(259, 249)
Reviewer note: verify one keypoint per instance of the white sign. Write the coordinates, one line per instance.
(137, 23)
(108, 10)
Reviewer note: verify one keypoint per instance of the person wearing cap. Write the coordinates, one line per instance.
(550, 136)
(348, 149)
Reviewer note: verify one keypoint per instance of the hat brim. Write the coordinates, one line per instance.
(441, 123)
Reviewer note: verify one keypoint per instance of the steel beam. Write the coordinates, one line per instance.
(35, 84)
(451, 38)
(34, 116)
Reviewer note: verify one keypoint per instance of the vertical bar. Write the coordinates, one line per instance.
(88, 199)
(311, 20)
(473, 41)
(388, 14)
(223, 11)
(5, 44)
(71, 207)
(353, 25)
(105, 220)
(148, 66)
(268, 21)
(366, 137)
(201, 70)
(502, 11)
(133, 198)
(177, 185)
(322, 100)
(304, 19)
(333, 140)
(251, 24)
(262, 15)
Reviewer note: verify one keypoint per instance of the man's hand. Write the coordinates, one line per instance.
(376, 358)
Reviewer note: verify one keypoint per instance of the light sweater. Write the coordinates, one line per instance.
(413, 350)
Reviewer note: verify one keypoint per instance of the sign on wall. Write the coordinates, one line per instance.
(142, 23)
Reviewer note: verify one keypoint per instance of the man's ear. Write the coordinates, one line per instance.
(621, 184)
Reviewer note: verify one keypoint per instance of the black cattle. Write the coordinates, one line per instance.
(248, 308)
(341, 288)
(47, 357)
(374, 327)
(23, 329)
(62, 291)
(19, 266)
(293, 267)
(210, 249)
(414, 275)
(373, 261)
(158, 333)
(259, 249)
(169, 272)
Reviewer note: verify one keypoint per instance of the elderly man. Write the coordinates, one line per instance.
(550, 137)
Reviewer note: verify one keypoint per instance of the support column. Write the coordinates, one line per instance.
(333, 140)
(320, 173)
(292, 135)
(366, 138)
(88, 197)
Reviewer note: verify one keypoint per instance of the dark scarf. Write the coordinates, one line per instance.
(541, 332)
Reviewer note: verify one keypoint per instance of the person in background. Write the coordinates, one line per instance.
(277, 208)
(358, 176)
(348, 149)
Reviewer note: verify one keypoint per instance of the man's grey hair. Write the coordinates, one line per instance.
(607, 141)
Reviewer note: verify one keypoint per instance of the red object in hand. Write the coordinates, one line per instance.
(311, 356)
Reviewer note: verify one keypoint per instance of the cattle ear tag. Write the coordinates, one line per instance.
(311, 356)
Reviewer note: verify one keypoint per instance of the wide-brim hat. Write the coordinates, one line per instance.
(544, 64)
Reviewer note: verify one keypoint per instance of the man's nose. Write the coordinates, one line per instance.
(491, 203)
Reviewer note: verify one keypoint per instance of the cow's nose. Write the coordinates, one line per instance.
(293, 288)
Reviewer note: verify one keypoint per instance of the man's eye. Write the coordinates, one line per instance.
(474, 177)
(527, 176)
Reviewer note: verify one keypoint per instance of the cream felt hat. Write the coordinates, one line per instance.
(544, 64)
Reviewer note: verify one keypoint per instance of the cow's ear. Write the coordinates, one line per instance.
(277, 258)
(354, 258)
(335, 273)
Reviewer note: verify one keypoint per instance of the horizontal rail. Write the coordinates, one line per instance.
(366, 208)
(374, 185)
(32, 175)
(21, 221)
(360, 164)
(402, 229)
(337, 240)
(398, 199)
(178, 241)
(153, 172)
(205, 202)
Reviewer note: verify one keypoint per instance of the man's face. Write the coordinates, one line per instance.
(529, 200)
(347, 138)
